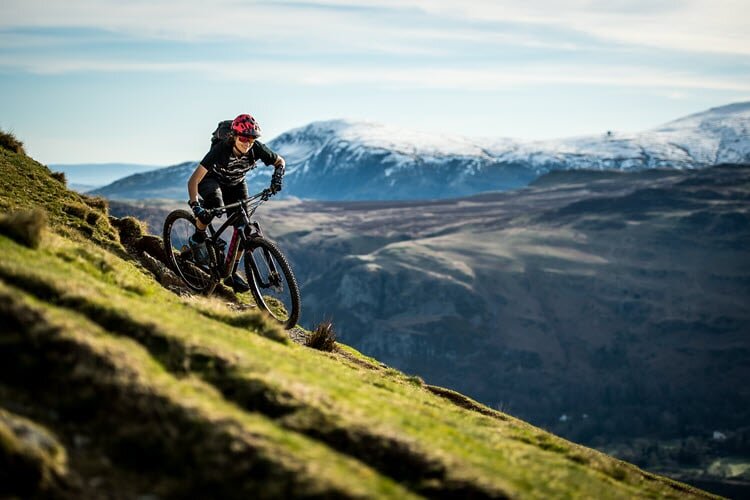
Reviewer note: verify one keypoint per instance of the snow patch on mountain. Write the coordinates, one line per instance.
(714, 136)
(379, 136)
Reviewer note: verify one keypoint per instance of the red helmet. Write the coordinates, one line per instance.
(245, 125)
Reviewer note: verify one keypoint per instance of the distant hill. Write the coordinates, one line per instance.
(87, 176)
(342, 160)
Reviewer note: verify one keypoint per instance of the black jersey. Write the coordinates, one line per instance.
(230, 169)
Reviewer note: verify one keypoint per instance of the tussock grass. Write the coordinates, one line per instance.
(9, 141)
(25, 226)
(76, 209)
(323, 337)
(93, 218)
(129, 228)
(98, 203)
(60, 177)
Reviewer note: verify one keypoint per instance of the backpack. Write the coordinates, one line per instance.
(222, 132)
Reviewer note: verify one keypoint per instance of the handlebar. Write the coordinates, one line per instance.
(260, 197)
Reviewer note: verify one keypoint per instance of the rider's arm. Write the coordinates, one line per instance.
(264, 153)
(195, 179)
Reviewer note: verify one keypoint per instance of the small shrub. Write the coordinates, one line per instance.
(60, 177)
(88, 231)
(93, 218)
(78, 210)
(130, 229)
(11, 143)
(96, 202)
(25, 227)
(323, 337)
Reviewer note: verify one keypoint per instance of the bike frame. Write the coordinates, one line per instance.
(244, 229)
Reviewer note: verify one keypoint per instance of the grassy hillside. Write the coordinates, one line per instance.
(112, 385)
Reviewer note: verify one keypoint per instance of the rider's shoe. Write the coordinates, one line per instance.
(200, 252)
(238, 284)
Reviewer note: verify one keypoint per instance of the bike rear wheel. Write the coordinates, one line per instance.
(272, 282)
(179, 226)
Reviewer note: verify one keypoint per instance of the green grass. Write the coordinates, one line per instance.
(28, 185)
(170, 385)
(207, 432)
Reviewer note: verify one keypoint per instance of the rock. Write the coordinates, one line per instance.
(164, 275)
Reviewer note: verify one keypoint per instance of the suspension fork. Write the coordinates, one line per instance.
(273, 273)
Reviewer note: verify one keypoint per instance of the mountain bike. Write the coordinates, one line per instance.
(265, 268)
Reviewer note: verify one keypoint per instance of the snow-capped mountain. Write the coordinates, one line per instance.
(719, 135)
(360, 160)
(344, 160)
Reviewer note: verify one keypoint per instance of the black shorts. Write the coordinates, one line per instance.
(217, 195)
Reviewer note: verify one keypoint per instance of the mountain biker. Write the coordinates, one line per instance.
(220, 179)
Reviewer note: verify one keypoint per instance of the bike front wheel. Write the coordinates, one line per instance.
(178, 227)
(272, 282)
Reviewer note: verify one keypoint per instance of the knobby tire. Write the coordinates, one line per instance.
(285, 269)
(197, 278)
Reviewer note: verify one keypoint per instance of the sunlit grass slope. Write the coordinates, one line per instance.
(110, 383)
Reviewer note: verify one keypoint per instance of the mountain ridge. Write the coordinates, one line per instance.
(348, 160)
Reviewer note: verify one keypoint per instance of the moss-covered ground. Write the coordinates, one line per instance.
(140, 391)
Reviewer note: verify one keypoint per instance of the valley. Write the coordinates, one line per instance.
(604, 306)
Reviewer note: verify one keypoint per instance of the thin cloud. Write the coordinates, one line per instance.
(716, 26)
(694, 26)
(506, 78)
(407, 78)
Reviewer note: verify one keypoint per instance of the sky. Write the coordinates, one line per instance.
(146, 81)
